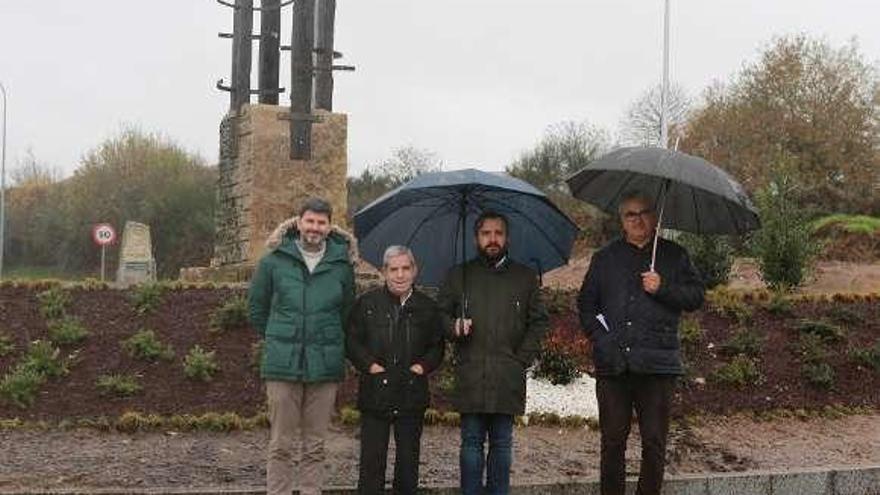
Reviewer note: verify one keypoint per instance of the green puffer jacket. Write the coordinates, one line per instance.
(509, 323)
(299, 314)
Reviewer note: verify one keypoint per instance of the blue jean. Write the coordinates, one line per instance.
(474, 430)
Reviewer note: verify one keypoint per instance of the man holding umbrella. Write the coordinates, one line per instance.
(498, 322)
(629, 307)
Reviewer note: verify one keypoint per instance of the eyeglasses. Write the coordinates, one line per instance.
(631, 216)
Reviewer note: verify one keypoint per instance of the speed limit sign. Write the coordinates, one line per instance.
(103, 234)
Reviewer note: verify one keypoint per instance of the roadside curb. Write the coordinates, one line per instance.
(821, 481)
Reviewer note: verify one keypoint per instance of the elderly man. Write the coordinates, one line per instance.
(497, 332)
(395, 339)
(630, 313)
(300, 296)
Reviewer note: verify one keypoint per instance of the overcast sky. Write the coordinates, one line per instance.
(475, 81)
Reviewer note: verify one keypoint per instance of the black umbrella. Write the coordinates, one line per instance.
(690, 193)
(434, 213)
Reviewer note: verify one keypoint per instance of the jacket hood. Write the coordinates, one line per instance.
(290, 228)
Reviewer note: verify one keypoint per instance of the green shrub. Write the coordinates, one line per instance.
(845, 316)
(818, 374)
(730, 304)
(739, 372)
(67, 330)
(145, 345)
(257, 354)
(811, 348)
(6, 344)
(231, 315)
(118, 385)
(712, 255)
(53, 303)
(870, 357)
(20, 386)
(779, 305)
(45, 359)
(784, 245)
(744, 341)
(147, 297)
(690, 332)
(349, 416)
(828, 331)
(200, 364)
(556, 365)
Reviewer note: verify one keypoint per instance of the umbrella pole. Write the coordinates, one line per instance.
(462, 213)
(664, 191)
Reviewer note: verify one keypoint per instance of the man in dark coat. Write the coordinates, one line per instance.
(497, 322)
(395, 340)
(630, 314)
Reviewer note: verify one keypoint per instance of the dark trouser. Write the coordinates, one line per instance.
(651, 396)
(474, 430)
(375, 430)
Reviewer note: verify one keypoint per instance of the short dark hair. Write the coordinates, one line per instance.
(317, 205)
(635, 194)
(490, 215)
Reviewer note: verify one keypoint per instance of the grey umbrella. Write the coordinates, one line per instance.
(434, 213)
(691, 194)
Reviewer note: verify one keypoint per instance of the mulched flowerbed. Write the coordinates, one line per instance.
(182, 320)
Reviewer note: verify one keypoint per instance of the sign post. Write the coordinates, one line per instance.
(103, 234)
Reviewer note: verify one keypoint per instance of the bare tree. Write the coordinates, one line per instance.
(30, 170)
(407, 163)
(641, 125)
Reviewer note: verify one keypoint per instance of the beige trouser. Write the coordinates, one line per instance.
(297, 406)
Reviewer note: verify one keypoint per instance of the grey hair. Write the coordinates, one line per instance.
(395, 251)
(634, 195)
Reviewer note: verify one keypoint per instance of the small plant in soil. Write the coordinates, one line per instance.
(845, 316)
(118, 385)
(147, 297)
(869, 358)
(828, 331)
(20, 387)
(257, 354)
(741, 371)
(45, 359)
(744, 341)
(349, 416)
(811, 348)
(690, 332)
(818, 374)
(230, 316)
(6, 344)
(779, 305)
(728, 303)
(67, 330)
(200, 364)
(53, 303)
(145, 345)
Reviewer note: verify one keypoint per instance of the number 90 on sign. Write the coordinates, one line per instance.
(103, 234)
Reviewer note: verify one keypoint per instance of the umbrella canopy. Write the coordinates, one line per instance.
(434, 215)
(694, 195)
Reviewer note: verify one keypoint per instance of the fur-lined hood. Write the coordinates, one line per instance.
(290, 227)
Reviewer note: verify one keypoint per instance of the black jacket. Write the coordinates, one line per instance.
(382, 331)
(509, 323)
(643, 328)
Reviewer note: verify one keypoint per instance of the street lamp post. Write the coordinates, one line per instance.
(3, 185)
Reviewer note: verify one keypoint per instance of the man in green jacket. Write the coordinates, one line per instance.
(299, 299)
(498, 322)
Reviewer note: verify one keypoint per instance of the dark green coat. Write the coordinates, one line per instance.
(509, 323)
(301, 315)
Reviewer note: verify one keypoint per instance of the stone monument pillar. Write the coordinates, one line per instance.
(136, 262)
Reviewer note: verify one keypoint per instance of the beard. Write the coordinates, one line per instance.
(493, 252)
